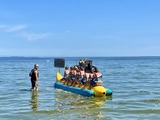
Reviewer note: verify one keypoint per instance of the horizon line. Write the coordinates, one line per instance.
(78, 56)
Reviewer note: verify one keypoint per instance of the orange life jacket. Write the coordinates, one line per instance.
(75, 72)
(66, 72)
(82, 73)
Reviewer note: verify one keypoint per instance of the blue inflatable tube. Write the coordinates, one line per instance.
(76, 90)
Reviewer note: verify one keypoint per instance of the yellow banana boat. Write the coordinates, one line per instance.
(97, 91)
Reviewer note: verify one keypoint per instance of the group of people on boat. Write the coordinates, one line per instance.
(83, 75)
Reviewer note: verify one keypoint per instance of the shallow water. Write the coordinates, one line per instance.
(135, 82)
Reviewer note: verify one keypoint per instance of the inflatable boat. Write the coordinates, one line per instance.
(97, 91)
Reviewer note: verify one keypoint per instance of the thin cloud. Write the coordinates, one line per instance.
(7, 28)
(21, 32)
(35, 36)
(16, 28)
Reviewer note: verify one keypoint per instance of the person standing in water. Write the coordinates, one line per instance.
(34, 77)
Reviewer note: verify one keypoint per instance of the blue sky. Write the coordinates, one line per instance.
(47, 28)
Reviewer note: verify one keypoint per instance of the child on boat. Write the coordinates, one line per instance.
(66, 74)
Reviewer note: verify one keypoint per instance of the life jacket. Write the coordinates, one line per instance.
(82, 73)
(98, 74)
(75, 72)
(66, 73)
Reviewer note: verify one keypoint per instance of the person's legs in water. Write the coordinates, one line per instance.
(36, 85)
(33, 85)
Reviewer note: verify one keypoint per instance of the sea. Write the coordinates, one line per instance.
(135, 82)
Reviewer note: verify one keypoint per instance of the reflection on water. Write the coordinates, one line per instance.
(34, 100)
(84, 107)
(67, 99)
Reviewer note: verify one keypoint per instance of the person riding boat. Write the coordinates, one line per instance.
(88, 68)
(72, 76)
(93, 81)
(97, 79)
(82, 72)
(82, 63)
(76, 82)
(66, 74)
(98, 74)
(84, 79)
(87, 83)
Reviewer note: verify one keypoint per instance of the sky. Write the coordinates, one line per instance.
(75, 28)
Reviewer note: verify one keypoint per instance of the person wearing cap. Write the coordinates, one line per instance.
(34, 77)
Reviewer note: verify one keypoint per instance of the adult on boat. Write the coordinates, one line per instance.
(88, 68)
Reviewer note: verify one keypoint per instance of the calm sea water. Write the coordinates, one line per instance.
(135, 82)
